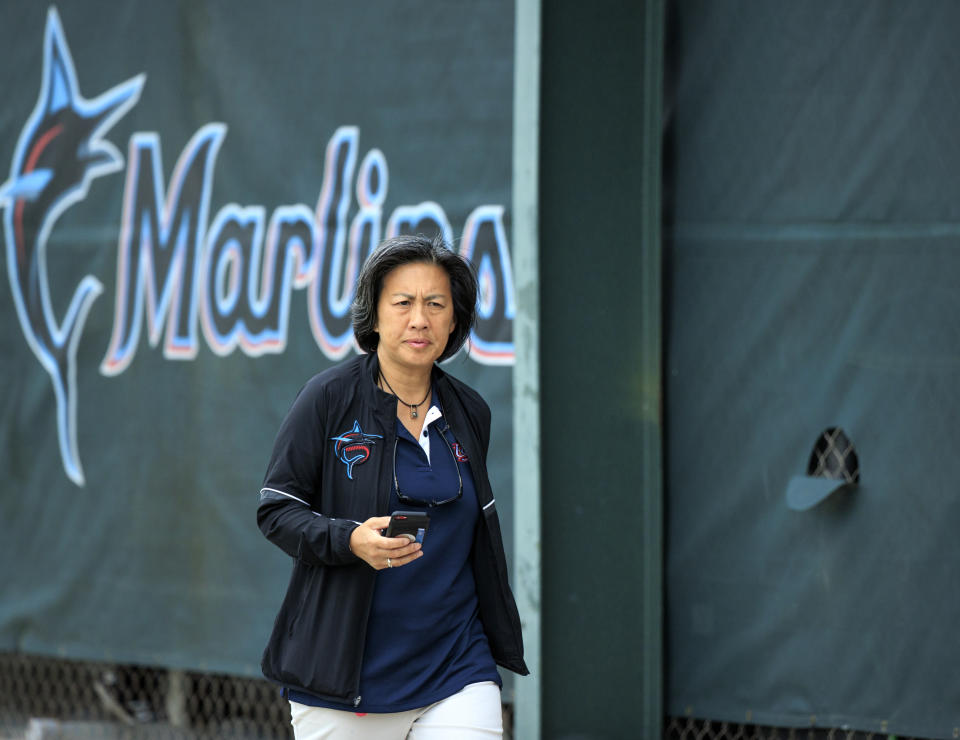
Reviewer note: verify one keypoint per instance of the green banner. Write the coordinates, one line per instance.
(190, 193)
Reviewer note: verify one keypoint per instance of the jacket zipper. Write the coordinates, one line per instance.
(386, 476)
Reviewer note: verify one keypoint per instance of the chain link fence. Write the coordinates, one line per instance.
(834, 457)
(53, 699)
(688, 728)
(47, 698)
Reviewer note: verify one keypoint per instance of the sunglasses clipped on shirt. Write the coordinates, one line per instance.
(413, 501)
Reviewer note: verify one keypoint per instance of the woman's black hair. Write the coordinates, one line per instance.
(402, 250)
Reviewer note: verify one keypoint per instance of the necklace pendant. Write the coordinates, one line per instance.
(413, 412)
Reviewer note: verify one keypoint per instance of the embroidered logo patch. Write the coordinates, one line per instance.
(459, 453)
(353, 447)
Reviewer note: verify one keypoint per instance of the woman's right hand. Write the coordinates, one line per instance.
(381, 552)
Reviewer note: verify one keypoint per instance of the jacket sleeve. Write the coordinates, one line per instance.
(302, 533)
(288, 513)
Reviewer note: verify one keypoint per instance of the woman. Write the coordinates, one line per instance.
(380, 636)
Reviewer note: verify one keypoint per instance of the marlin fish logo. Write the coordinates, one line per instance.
(60, 151)
(353, 447)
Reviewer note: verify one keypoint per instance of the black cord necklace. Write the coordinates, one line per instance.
(411, 406)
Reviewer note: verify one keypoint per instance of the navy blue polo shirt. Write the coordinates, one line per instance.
(424, 639)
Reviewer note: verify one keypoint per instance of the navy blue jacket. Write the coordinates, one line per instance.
(332, 467)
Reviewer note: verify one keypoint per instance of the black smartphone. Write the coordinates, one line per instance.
(410, 524)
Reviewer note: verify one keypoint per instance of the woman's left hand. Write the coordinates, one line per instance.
(381, 552)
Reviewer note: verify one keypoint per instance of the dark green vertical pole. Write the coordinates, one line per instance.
(600, 382)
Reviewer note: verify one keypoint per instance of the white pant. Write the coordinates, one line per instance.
(474, 713)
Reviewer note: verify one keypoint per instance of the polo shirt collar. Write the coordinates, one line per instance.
(432, 415)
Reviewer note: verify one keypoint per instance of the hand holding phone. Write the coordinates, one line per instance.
(410, 524)
(368, 543)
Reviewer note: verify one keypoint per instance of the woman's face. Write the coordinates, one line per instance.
(414, 316)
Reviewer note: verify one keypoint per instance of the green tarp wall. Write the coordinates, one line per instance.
(205, 177)
(812, 251)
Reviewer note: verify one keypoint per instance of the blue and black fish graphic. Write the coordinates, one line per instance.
(59, 153)
(353, 447)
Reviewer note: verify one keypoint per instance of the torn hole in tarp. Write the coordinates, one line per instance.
(833, 466)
